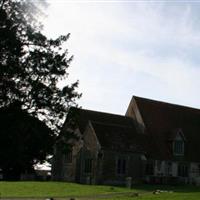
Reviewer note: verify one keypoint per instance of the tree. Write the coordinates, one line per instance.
(24, 142)
(31, 65)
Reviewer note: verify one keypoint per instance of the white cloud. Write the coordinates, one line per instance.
(122, 49)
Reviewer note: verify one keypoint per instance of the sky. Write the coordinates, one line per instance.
(124, 48)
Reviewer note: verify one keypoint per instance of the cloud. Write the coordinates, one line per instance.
(122, 49)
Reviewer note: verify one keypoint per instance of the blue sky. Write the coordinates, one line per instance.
(124, 48)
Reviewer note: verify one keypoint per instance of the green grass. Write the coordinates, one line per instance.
(170, 196)
(63, 189)
(54, 189)
(161, 196)
(170, 193)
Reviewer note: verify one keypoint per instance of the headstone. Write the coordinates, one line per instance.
(128, 182)
(88, 181)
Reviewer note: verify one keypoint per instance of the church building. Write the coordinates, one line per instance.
(154, 142)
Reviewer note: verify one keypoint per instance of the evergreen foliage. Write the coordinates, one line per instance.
(31, 65)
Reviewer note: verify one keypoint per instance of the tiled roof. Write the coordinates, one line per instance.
(114, 132)
(83, 116)
(119, 137)
(162, 119)
(162, 122)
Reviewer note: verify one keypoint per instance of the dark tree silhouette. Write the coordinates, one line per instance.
(24, 142)
(31, 65)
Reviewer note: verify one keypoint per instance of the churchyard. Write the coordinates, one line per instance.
(63, 190)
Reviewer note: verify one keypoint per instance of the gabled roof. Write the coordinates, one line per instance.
(82, 116)
(161, 119)
(119, 137)
(178, 131)
(114, 132)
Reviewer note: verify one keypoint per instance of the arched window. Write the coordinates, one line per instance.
(178, 145)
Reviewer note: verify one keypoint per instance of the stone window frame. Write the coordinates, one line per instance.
(121, 165)
(149, 168)
(68, 157)
(88, 162)
(179, 144)
(178, 147)
(183, 170)
(168, 168)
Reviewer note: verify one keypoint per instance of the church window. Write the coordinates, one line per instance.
(68, 157)
(168, 168)
(178, 144)
(182, 170)
(178, 147)
(149, 168)
(121, 166)
(88, 165)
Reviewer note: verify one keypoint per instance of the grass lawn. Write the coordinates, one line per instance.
(175, 196)
(63, 189)
(54, 189)
(167, 193)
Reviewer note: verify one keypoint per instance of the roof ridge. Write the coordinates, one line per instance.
(167, 103)
(102, 112)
